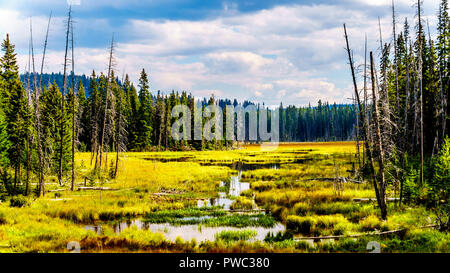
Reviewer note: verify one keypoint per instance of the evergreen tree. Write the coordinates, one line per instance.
(51, 129)
(4, 143)
(83, 119)
(15, 107)
(132, 119)
(144, 133)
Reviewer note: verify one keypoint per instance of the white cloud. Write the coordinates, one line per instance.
(293, 54)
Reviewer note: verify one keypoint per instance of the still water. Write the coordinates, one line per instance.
(187, 232)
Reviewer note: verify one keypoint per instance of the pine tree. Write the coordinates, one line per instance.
(132, 118)
(95, 103)
(15, 105)
(5, 144)
(120, 133)
(83, 119)
(144, 134)
(52, 114)
(443, 53)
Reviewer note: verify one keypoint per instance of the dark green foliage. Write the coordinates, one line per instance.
(14, 105)
(83, 119)
(5, 144)
(18, 201)
(440, 183)
(51, 129)
(144, 122)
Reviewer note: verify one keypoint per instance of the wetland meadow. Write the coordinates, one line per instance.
(239, 200)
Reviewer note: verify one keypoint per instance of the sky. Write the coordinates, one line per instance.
(265, 51)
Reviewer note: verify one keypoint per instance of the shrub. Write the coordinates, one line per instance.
(18, 201)
(440, 185)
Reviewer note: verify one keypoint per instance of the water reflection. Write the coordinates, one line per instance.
(198, 232)
(235, 190)
(187, 232)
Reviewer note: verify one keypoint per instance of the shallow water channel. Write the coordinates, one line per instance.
(197, 231)
(187, 232)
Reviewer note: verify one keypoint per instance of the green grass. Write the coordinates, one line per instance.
(235, 235)
(217, 219)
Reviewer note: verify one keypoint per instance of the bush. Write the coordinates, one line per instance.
(440, 185)
(18, 201)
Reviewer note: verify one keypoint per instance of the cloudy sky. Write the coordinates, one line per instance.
(262, 50)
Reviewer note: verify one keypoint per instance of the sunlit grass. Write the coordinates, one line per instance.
(163, 187)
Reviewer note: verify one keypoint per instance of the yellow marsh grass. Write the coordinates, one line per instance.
(136, 172)
(142, 174)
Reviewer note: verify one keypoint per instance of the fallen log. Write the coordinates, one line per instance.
(391, 199)
(95, 189)
(358, 235)
(57, 190)
(246, 210)
(333, 179)
(168, 192)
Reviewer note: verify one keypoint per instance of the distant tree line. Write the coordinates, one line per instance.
(46, 118)
(324, 122)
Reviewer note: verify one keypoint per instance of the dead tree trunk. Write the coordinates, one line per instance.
(37, 117)
(28, 117)
(61, 146)
(106, 100)
(365, 124)
(365, 92)
(73, 112)
(397, 96)
(379, 143)
(419, 13)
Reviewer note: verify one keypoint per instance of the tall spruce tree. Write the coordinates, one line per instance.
(145, 129)
(15, 105)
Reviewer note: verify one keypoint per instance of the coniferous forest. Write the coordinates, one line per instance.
(100, 149)
(112, 115)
